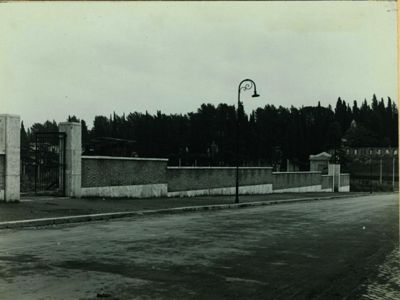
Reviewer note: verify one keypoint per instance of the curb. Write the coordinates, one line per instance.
(175, 210)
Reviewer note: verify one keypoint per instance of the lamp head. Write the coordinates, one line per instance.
(255, 95)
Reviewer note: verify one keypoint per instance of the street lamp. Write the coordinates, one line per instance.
(244, 85)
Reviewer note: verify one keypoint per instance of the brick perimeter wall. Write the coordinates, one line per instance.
(198, 178)
(106, 171)
(2, 171)
(284, 180)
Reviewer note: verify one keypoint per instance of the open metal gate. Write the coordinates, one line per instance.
(43, 165)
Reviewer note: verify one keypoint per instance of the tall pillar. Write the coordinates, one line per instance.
(10, 157)
(334, 171)
(73, 152)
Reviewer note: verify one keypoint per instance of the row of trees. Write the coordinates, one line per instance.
(269, 135)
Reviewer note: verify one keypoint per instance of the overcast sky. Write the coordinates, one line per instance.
(86, 59)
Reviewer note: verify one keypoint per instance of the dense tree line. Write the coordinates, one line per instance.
(269, 135)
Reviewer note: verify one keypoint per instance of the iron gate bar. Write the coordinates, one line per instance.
(46, 161)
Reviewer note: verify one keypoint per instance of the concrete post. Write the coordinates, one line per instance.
(334, 171)
(10, 160)
(73, 152)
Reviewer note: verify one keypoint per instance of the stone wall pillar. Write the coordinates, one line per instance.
(334, 171)
(11, 158)
(73, 153)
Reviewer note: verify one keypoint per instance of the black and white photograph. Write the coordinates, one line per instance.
(199, 150)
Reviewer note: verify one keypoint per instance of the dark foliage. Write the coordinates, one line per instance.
(270, 135)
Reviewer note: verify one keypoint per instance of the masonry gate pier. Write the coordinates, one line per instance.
(73, 153)
(9, 157)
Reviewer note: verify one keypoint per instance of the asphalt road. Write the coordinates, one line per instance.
(319, 250)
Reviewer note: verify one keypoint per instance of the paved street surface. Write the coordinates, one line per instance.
(386, 284)
(48, 207)
(333, 249)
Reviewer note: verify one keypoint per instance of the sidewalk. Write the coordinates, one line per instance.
(52, 207)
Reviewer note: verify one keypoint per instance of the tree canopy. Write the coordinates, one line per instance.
(269, 135)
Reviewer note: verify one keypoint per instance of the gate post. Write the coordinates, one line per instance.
(10, 157)
(334, 171)
(73, 152)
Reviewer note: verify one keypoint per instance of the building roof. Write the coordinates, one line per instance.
(319, 156)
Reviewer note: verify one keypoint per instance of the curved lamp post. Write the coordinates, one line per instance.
(244, 85)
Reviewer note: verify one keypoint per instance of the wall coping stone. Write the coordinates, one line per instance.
(298, 172)
(345, 174)
(9, 115)
(217, 168)
(70, 123)
(123, 158)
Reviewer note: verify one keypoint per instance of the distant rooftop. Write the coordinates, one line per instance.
(322, 155)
